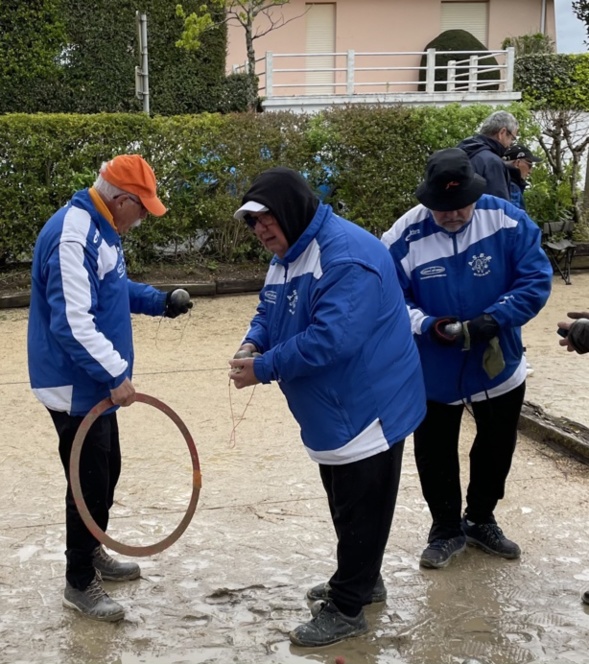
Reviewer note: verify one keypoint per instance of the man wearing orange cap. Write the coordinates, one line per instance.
(80, 351)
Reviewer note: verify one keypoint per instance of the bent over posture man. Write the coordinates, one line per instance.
(80, 351)
(473, 272)
(333, 330)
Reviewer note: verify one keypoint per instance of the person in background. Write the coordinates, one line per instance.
(576, 340)
(519, 161)
(332, 330)
(473, 272)
(80, 351)
(486, 149)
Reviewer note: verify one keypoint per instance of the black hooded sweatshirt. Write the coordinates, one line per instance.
(288, 197)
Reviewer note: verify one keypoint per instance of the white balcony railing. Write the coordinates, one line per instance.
(352, 73)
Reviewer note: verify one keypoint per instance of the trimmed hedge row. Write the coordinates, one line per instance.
(74, 56)
(554, 81)
(366, 161)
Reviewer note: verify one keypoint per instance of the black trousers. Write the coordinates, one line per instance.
(436, 455)
(100, 467)
(362, 497)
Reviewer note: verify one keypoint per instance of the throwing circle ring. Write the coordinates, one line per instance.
(87, 518)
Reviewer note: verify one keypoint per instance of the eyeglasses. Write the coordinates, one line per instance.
(511, 135)
(265, 218)
(133, 199)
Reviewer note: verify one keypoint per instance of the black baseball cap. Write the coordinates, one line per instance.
(520, 152)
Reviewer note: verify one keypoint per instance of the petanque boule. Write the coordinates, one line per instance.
(180, 297)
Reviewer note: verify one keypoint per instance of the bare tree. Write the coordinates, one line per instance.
(237, 12)
(564, 140)
(581, 9)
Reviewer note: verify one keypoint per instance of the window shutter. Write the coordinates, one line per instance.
(320, 38)
(470, 16)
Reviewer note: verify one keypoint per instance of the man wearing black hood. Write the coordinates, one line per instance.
(333, 330)
(486, 149)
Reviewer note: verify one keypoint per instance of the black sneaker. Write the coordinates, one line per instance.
(113, 570)
(321, 592)
(93, 602)
(585, 597)
(328, 625)
(440, 552)
(490, 538)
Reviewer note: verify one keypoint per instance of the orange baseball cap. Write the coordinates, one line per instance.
(131, 173)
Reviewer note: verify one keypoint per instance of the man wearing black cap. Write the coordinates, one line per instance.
(473, 272)
(332, 330)
(519, 161)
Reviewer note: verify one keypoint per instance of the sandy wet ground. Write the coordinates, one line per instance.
(233, 586)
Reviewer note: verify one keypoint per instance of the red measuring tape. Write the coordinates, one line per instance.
(92, 526)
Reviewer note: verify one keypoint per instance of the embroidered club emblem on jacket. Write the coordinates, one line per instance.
(293, 298)
(480, 265)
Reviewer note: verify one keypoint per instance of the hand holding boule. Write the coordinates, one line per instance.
(241, 354)
(177, 302)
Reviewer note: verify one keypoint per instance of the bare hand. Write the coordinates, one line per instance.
(580, 318)
(242, 372)
(248, 346)
(124, 394)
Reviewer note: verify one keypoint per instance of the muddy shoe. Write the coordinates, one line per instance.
(113, 570)
(585, 597)
(93, 602)
(439, 552)
(490, 538)
(329, 625)
(321, 592)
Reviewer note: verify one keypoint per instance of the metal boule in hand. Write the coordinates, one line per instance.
(453, 329)
(180, 297)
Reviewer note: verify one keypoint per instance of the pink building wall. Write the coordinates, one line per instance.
(381, 26)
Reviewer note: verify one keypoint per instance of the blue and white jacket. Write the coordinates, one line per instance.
(334, 332)
(80, 343)
(494, 265)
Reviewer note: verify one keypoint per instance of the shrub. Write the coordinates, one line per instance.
(533, 44)
(367, 161)
(554, 81)
(458, 40)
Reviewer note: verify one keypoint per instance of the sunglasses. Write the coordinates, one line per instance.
(265, 219)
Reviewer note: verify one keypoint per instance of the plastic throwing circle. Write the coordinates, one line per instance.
(87, 518)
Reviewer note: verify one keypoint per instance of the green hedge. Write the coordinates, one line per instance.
(554, 81)
(370, 160)
(74, 56)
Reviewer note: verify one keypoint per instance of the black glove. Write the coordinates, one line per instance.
(440, 335)
(482, 328)
(177, 302)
